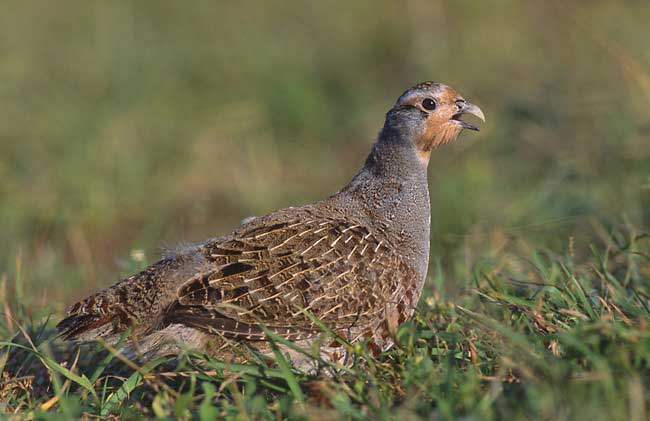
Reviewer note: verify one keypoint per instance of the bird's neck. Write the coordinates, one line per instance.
(395, 156)
(392, 190)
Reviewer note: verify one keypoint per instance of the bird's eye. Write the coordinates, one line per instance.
(429, 104)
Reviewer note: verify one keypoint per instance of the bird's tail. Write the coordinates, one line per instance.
(136, 303)
(94, 317)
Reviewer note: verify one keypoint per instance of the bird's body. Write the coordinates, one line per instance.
(356, 260)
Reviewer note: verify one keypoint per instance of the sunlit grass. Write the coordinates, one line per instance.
(543, 335)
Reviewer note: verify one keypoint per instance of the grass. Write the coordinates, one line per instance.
(127, 126)
(547, 334)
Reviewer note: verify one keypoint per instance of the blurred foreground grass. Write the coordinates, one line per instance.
(130, 126)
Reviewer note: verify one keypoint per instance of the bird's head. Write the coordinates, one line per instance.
(429, 114)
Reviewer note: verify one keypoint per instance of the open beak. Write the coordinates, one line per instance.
(467, 108)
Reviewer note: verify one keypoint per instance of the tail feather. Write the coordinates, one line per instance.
(96, 316)
(80, 326)
(137, 302)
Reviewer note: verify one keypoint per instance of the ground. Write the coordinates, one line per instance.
(550, 334)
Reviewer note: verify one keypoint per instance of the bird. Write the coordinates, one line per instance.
(355, 262)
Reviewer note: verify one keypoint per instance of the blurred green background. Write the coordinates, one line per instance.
(127, 126)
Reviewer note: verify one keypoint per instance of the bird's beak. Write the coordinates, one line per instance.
(467, 108)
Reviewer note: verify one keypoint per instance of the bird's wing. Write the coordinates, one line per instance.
(267, 273)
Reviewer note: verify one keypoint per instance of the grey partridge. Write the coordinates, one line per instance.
(356, 260)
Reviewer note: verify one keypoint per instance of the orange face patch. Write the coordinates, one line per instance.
(439, 127)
